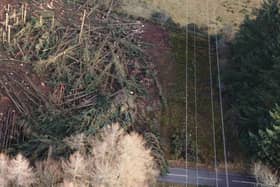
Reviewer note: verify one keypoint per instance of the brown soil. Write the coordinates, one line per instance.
(18, 83)
(15, 71)
(5, 103)
(160, 54)
(3, 6)
(20, 91)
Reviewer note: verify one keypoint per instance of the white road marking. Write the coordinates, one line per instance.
(244, 182)
(206, 178)
(210, 178)
(176, 175)
(254, 183)
(189, 174)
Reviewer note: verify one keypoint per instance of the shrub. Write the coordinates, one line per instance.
(265, 175)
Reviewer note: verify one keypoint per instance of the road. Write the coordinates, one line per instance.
(208, 178)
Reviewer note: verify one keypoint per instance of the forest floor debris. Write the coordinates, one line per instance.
(64, 76)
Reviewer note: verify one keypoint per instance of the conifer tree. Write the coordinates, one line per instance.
(268, 141)
(253, 81)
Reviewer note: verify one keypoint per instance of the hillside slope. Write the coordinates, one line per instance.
(226, 14)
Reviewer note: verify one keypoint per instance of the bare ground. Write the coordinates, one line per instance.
(159, 52)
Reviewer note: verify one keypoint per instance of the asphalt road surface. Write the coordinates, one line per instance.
(208, 178)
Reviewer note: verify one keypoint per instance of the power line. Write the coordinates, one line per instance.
(187, 14)
(212, 97)
(195, 105)
(221, 105)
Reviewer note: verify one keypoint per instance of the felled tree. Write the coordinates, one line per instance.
(252, 79)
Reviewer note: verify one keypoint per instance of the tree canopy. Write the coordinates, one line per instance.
(252, 79)
(268, 141)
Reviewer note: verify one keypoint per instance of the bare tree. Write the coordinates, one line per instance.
(48, 173)
(115, 159)
(76, 170)
(20, 173)
(3, 169)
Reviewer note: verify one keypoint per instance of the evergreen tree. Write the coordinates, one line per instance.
(253, 79)
(268, 141)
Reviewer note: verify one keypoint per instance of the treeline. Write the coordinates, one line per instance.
(253, 84)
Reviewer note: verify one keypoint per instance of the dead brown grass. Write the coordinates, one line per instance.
(223, 14)
(145, 8)
(226, 14)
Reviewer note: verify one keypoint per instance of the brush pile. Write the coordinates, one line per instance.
(72, 68)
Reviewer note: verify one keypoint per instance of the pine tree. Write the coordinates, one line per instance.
(252, 79)
(268, 141)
